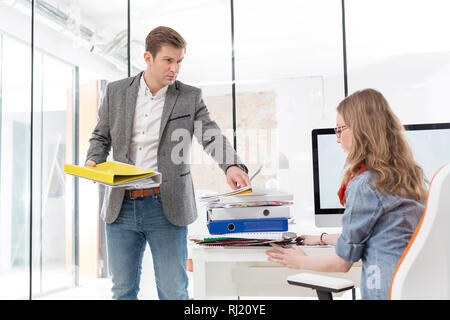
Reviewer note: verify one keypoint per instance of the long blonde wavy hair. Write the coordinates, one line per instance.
(378, 140)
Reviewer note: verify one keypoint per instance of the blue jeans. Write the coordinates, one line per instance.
(142, 220)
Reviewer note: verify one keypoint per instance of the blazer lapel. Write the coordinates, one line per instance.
(130, 105)
(171, 99)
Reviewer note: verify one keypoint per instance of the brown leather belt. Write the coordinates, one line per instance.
(139, 193)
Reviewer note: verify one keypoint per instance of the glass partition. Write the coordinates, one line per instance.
(78, 47)
(15, 150)
(53, 95)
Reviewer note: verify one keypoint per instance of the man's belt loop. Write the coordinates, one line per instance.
(153, 194)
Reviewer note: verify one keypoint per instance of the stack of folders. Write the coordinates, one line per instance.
(248, 210)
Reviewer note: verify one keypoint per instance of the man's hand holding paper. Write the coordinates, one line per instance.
(236, 175)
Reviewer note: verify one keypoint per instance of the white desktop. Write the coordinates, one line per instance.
(429, 142)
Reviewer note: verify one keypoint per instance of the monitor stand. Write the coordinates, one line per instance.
(328, 220)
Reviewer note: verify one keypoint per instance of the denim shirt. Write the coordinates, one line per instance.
(376, 229)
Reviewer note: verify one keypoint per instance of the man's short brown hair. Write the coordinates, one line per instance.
(163, 36)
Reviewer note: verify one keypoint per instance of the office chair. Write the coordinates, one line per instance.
(423, 271)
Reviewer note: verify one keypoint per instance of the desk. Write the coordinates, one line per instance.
(225, 272)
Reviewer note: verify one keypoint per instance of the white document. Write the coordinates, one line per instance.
(212, 205)
(151, 182)
(249, 194)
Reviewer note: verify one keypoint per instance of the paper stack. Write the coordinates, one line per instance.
(247, 239)
(248, 210)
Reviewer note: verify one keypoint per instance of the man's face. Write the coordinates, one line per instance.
(164, 67)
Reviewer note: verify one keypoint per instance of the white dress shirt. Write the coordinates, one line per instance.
(146, 125)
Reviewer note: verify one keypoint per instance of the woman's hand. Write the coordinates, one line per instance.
(310, 240)
(292, 257)
(295, 258)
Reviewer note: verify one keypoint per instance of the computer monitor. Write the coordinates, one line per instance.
(430, 144)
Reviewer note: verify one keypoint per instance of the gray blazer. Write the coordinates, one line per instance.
(184, 115)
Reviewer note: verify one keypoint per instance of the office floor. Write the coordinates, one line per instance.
(100, 289)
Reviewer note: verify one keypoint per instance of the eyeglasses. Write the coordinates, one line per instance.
(338, 130)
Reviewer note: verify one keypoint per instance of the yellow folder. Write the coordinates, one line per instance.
(114, 173)
(241, 191)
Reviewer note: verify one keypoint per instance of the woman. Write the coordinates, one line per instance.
(383, 191)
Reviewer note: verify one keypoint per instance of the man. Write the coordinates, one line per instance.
(141, 118)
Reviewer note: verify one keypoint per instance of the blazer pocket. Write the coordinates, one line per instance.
(185, 174)
(180, 117)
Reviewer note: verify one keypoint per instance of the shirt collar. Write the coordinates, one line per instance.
(146, 91)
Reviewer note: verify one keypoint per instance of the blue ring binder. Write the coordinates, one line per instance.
(250, 225)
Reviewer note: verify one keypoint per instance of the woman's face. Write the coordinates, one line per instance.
(345, 138)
